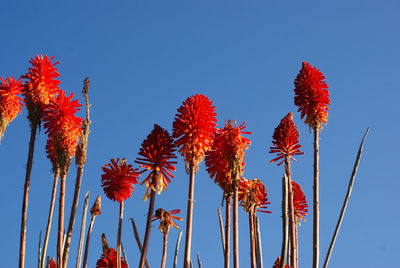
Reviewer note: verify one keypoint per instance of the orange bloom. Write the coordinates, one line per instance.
(63, 127)
(51, 154)
(41, 84)
(193, 129)
(227, 154)
(166, 219)
(277, 263)
(156, 151)
(312, 96)
(52, 263)
(109, 260)
(299, 201)
(285, 140)
(118, 180)
(253, 195)
(10, 103)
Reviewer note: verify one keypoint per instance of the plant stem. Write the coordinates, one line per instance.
(316, 201)
(148, 225)
(39, 252)
(121, 211)
(139, 243)
(87, 242)
(252, 240)
(177, 248)
(26, 194)
(189, 218)
(259, 248)
(124, 255)
(82, 234)
(198, 259)
(227, 230)
(285, 227)
(292, 224)
(235, 224)
(346, 201)
(61, 219)
(164, 254)
(53, 198)
(221, 227)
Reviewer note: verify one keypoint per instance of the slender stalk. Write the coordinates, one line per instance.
(221, 227)
(139, 243)
(259, 248)
(198, 259)
(164, 254)
(124, 254)
(252, 240)
(22, 244)
(227, 230)
(121, 211)
(49, 219)
(316, 201)
(292, 224)
(87, 242)
(82, 234)
(346, 200)
(189, 218)
(148, 226)
(285, 226)
(40, 249)
(177, 249)
(235, 229)
(61, 220)
(296, 236)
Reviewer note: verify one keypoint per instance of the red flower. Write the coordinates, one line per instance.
(277, 263)
(51, 154)
(52, 263)
(285, 140)
(41, 84)
(10, 103)
(63, 127)
(299, 201)
(227, 154)
(118, 180)
(109, 260)
(312, 96)
(253, 195)
(156, 151)
(166, 219)
(194, 128)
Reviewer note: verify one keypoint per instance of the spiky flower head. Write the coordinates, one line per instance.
(52, 263)
(277, 263)
(40, 86)
(253, 195)
(166, 219)
(299, 202)
(109, 260)
(63, 127)
(10, 103)
(194, 128)
(118, 180)
(285, 140)
(156, 153)
(312, 96)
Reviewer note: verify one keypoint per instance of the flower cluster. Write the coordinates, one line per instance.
(285, 140)
(194, 128)
(10, 103)
(299, 202)
(41, 85)
(166, 219)
(109, 260)
(157, 150)
(253, 195)
(312, 96)
(63, 128)
(118, 180)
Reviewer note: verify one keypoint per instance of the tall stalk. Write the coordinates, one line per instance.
(22, 244)
(60, 239)
(285, 226)
(227, 230)
(164, 254)
(252, 240)
(235, 227)
(87, 242)
(292, 223)
(121, 211)
(316, 200)
(49, 219)
(82, 234)
(189, 218)
(177, 248)
(138, 242)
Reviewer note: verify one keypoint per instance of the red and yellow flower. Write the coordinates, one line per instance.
(252, 195)
(299, 202)
(109, 260)
(166, 219)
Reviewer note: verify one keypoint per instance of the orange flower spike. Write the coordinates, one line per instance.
(312, 96)
(166, 219)
(52, 263)
(285, 140)
(299, 202)
(10, 103)
(109, 260)
(194, 128)
(253, 194)
(118, 180)
(157, 150)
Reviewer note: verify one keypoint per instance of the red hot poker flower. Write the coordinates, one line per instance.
(253, 195)
(109, 260)
(157, 150)
(10, 103)
(193, 129)
(52, 263)
(166, 219)
(285, 140)
(299, 202)
(312, 96)
(118, 180)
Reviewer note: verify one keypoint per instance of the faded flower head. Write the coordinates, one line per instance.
(156, 153)
(10, 103)
(118, 180)
(312, 96)
(109, 260)
(285, 140)
(194, 128)
(166, 219)
(253, 195)
(96, 209)
(299, 202)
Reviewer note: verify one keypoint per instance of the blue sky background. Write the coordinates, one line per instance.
(144, 58)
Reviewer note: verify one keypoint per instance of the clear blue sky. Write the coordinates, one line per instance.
(144, 58)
